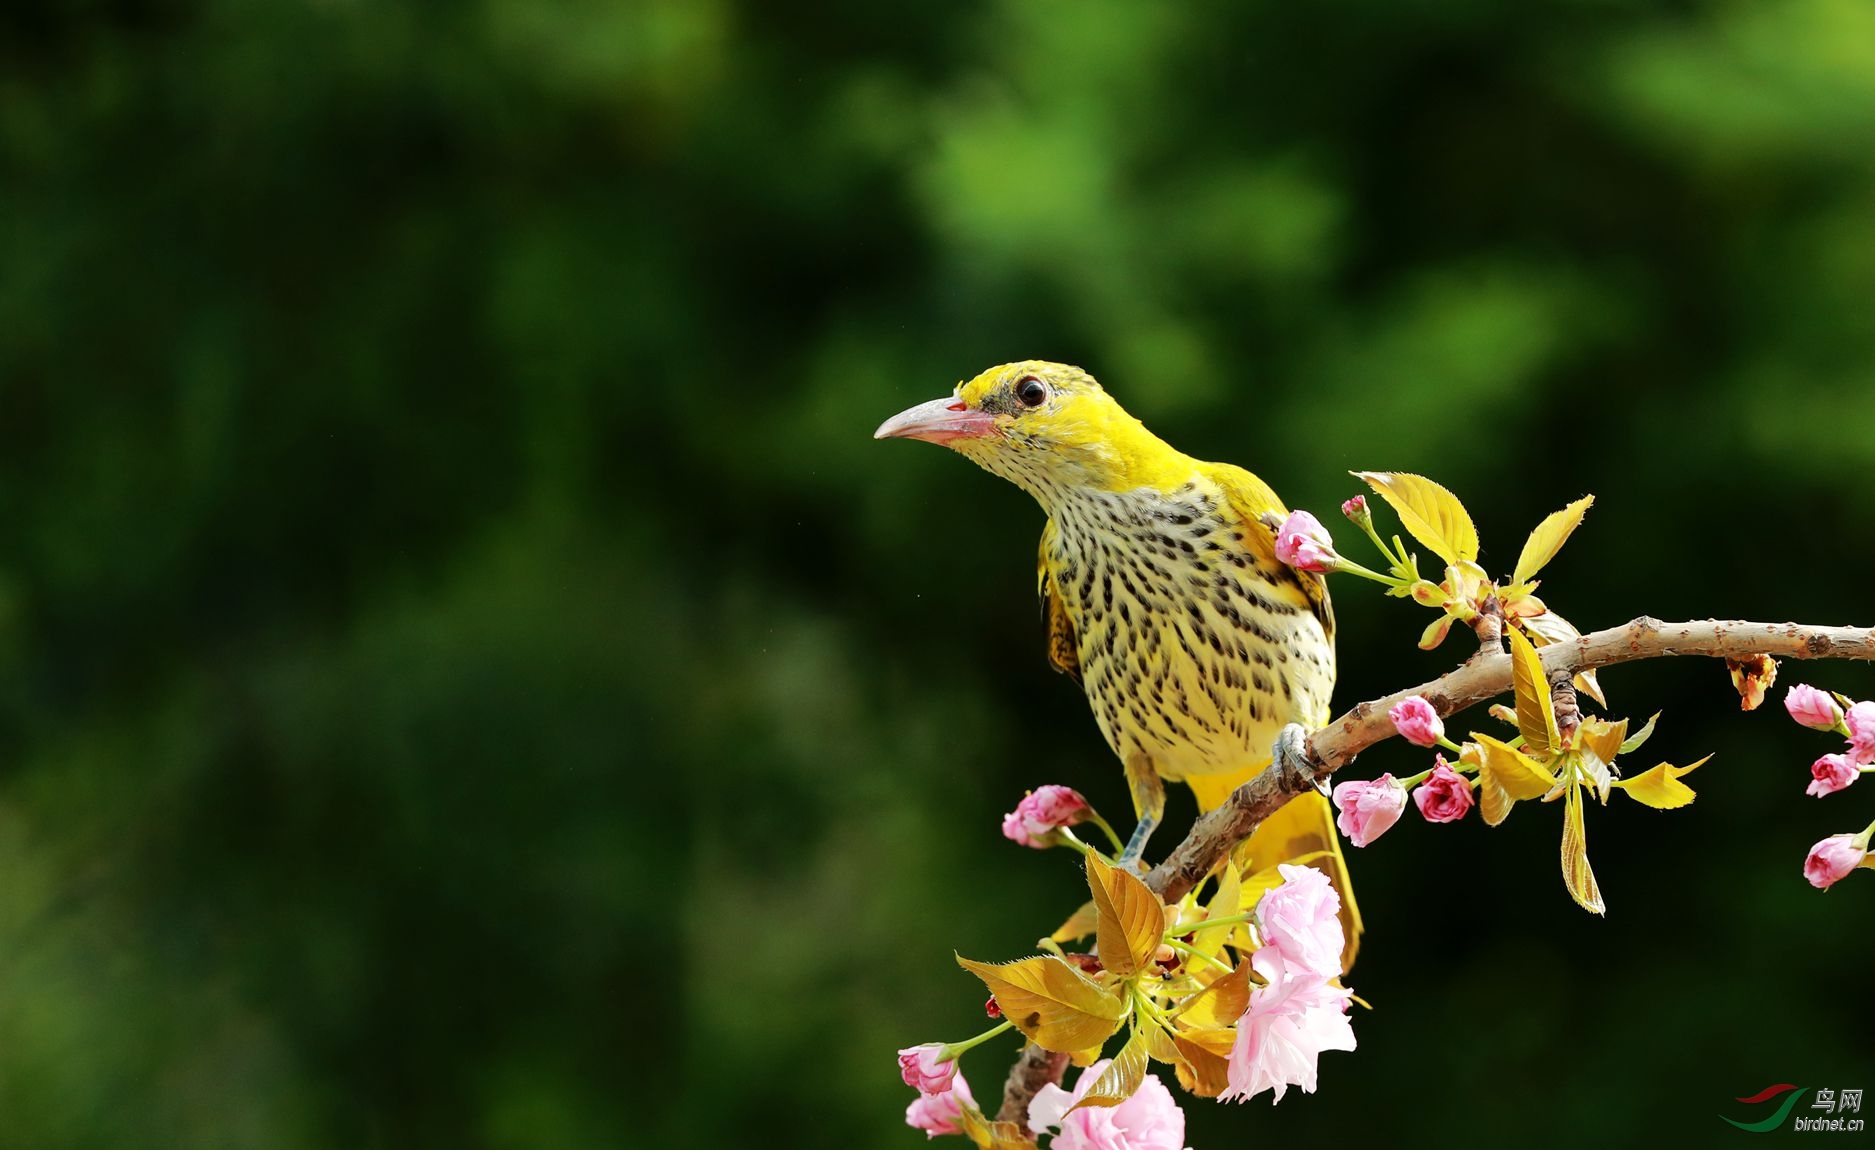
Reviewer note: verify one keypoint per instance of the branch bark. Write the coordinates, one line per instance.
(1484, 676)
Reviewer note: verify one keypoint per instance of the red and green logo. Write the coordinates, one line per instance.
(1826, 1110)
(1790, 1094)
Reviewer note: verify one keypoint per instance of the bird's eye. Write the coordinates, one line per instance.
(1032, 392)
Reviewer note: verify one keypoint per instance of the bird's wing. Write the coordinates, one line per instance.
(1251, 499)
(1063, 640)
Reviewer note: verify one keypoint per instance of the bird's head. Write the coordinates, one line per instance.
(1045, 426)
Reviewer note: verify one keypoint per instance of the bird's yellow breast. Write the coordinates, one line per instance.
(1193, 649)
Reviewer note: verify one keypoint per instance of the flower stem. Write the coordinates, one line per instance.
(1106, 828)
(1350, 567)
(1186, 948)
(953, 1049)
(1382, 546)
(1207, 924)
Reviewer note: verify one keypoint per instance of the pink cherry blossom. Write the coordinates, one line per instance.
(1830, 774)
(1417, 722)
(1303, 543)
(925, 1069)
(1301, 922)
(1280, 1037)
(1813, 708)
(1832, 859)
(1861, 722)
(941, 1113)
(1445, 796)
(1149, 1120)
(1041, 813)
(1368, 807)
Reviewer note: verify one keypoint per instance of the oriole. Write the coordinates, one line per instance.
(1161, 592)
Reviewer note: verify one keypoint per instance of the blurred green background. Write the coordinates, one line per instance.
(468, 678)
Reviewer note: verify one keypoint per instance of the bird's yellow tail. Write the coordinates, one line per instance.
(1212, 790)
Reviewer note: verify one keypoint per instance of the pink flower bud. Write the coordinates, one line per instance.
(940, 1113)
(1356, 511)
(1445, 796)
(1368, 807)
(1041, 813)
(1812, 708)
(1830, 774)
(1832, 859)
(1303, 543)
(1861, 723)
(1417, 722)
(925, 1069)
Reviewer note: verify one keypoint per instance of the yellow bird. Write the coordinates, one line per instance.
(1197, 647)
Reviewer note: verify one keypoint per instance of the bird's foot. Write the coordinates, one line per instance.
(1295, 767)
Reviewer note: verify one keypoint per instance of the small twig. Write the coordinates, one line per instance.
(1563, 703)
(1488, 625)
(1484, 676)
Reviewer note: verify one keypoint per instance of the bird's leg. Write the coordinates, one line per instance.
(1148, 806)
(1295, 772)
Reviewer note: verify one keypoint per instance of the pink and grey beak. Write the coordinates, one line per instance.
(939, 421)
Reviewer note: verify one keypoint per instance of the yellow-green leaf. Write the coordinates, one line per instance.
(1661, 787)
(1602, 738)
(1592, 771)
(1577, 875)
(1080, 924)
(1220, 1004)
(988, 1135)
(1159, 1045)
(1633, 742)
(1506, 776)
(1009, 1136)
(1435, 632)
(1589, 685)
(1226, 902)
(1548, 539)
(1429, 512)
(1050, 1001)
(1549, 627)
(1599, 742)
(1206, 1070)
(1132, 918)
(1536, 718)
(1121, 1077)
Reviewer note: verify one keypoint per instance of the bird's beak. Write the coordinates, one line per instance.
(939, 421)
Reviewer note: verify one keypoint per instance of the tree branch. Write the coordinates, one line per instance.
(1035, 1069)
(1484, 676)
